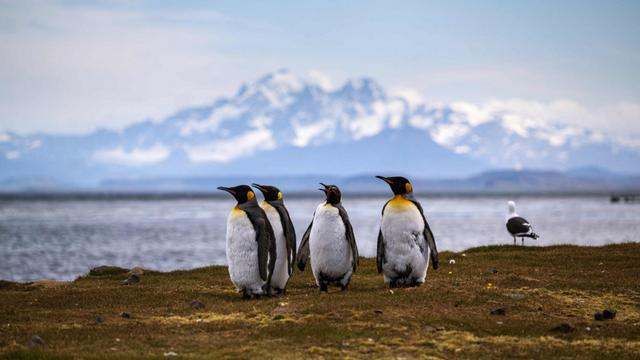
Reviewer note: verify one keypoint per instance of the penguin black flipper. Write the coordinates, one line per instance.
(303, 250)
(349, 234)
(289, 232)
(266, 241)
(428, 236)
(380, 256)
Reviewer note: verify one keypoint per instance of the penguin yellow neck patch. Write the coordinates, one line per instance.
(399, 201)
(236, 211)
(250, 195)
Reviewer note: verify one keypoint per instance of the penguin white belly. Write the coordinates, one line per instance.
(329, 249)
(281, 271)
(242, 253)
(405, 246)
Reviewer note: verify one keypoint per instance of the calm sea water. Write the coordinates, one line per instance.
(55, 239)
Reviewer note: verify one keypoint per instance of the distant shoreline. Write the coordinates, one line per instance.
(169, 195)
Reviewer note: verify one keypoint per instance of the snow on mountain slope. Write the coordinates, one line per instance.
(286, 124)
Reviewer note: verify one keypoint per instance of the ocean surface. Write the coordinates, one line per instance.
(63, 238)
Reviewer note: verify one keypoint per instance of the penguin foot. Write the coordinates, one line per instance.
(344, 287)
(245, 295)
(324, 287)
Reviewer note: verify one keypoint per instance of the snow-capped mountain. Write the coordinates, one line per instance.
(283, 124)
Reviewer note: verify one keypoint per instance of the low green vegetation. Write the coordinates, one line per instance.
(537, 289)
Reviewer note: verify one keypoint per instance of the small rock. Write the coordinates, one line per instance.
(439, 328)
(587, 328)
(564, 328)
(499, 322)
(515, 296)
(378, 311)
(391, 292)
(430, 328)
(170, 353)
(197, 304)
(609, 314)
(35, 342)
(464, 255)
(138, 271)
(499, 311)
(132, 279)
(452, 261)
(125, 315)
(99, 319)
(598, 316)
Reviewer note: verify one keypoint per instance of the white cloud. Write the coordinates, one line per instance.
(4, 137)
(223, 151)
(71, 68)
(12, 155)
(308, 132)
(321, 79)
(133, 157)
(448, 134)
(212, 122)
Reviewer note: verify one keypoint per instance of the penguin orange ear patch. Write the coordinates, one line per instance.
(250, 195)
(408, 187)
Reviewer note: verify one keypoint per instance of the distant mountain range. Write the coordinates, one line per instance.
(283, 126)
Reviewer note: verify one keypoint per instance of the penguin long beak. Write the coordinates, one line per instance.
(229, 190)
(258, 186)
(385, 179)
(325, 188)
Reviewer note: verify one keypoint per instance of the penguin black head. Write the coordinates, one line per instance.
(242, 193)
(270, 193)
(399, 185)
(332, 192)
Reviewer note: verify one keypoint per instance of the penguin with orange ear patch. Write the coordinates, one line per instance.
(251, 246)
(405, 241)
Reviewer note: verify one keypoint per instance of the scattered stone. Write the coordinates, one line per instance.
(197, 304)
(439, 328)
(598, 316)
(499, 311)
(564, 328)
(515, 296)
(132, 279)
(378, 311)
(464, 255)
(609, 314)
(391, 292)
(35, 342)
(125, 315)
(99, 319)
(493, 271)
(499, 322)
(587, 328)
(170, 353)
(136, 271)
(430, 328)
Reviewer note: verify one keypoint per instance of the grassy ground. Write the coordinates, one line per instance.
(448, 317)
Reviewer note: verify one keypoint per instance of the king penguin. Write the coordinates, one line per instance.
(405, 241)
(285, 235)
(330, 243)
(251, 247)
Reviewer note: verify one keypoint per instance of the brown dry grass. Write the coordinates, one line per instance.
(448, 317)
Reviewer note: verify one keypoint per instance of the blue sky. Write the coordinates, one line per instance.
(71, 67)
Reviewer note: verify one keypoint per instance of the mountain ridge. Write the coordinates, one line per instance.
(282, 124)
